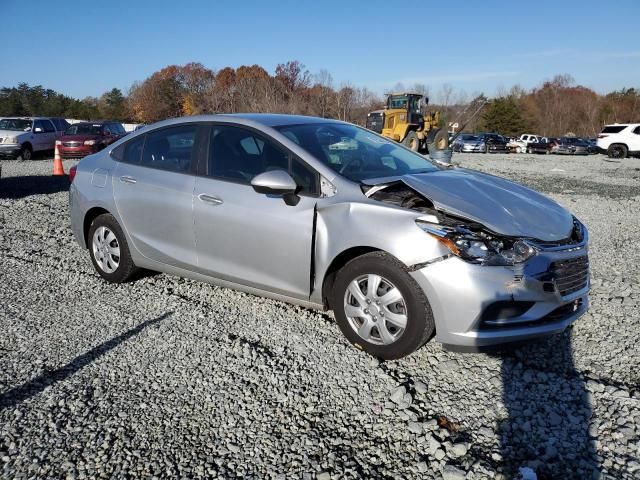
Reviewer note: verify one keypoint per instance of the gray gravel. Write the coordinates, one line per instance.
(170, 377)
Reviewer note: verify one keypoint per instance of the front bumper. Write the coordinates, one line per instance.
(80, 151)
(478, 306)
(10, 150)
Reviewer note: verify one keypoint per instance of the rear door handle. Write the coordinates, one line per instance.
(209, 199)
(127, 179)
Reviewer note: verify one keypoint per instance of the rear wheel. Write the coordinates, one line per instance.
(617, 151)
(380, 308)
(412, 141)
(109, 250)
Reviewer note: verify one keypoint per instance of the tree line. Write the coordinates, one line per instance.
(556, 107)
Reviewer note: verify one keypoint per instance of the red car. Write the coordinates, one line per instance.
(82, 139)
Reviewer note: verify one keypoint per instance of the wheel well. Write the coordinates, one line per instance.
(619, 144)
(340, 261)
(88, 219)
(27, 144)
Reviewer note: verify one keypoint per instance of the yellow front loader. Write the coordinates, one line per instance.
(403, 120)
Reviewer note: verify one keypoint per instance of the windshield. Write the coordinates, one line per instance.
(16, 124)
(354, 152)
(84, 129)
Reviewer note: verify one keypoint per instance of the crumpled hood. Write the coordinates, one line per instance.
(500, 205)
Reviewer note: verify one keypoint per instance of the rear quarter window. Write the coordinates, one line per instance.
(613, 128)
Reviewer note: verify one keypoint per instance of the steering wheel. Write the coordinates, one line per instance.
(349, 162)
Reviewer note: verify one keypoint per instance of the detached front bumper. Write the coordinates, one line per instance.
(480, 306)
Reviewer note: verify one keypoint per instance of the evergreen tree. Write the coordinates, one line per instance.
(502, 115)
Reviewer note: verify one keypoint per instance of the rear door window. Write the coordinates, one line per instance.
(170, 148)
(613, 128)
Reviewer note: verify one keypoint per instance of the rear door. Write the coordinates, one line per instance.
(153, 189)
(246, 237)
(634, 140)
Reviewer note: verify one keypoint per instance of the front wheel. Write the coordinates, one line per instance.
(109, 250)
(25, 153)
(380, 308)
(412, 141)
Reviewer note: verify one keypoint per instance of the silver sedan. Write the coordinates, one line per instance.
(328, 215)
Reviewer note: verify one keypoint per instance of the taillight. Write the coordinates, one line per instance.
(602, 136)
(72, 173)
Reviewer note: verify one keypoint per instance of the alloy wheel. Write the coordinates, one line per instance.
(375, 309)
(106, 249)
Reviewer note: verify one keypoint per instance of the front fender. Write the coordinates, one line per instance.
(347, 225)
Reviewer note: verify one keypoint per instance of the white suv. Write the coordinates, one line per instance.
(620, 140)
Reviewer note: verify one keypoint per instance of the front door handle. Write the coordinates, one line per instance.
(127, 179)
(209, 199)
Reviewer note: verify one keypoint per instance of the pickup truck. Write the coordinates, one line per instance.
(21, 137)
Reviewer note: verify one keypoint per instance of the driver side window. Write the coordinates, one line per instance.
(237, 154)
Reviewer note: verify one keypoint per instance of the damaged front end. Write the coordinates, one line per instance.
(465, 238)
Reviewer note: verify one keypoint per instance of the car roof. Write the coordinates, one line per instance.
(256, 119)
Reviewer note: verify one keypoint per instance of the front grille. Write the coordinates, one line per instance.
(571, 275)
(71, 144)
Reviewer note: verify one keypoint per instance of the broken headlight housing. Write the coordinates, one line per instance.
(478, 246)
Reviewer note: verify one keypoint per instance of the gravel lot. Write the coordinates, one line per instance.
(170, 377)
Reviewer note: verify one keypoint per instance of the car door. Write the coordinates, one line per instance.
(246, 237)
(153, 190)
(49, 136)
(39, 136)
(634, 141)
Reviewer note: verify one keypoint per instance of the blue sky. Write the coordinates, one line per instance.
(83, 48)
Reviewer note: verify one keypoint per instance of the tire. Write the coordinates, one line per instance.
(385, 339)
(437, 139)
(617, 150)
(26, 153)
(113, 268)
(412, 141)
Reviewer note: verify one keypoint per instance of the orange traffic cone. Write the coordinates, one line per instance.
(58, 169)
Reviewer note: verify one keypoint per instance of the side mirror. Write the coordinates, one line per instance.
(276, 182)
(38, 130)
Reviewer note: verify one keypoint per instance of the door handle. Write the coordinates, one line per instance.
(127, 179)
(209, 199)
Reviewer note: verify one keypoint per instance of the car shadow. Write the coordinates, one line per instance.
(24, 186)
(548, 413)
(38, 384)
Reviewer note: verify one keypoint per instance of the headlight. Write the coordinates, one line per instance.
(480, 247)
(89, 142)
(58, 142)
(11, 140)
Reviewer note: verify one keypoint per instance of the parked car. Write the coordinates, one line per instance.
(482, 143)
(570, 146)
(544, 145)
(516, 145)
(620, 140)
(461, 139)
(21, 137)
(528, 138)
(282, 206)
(85, 138)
